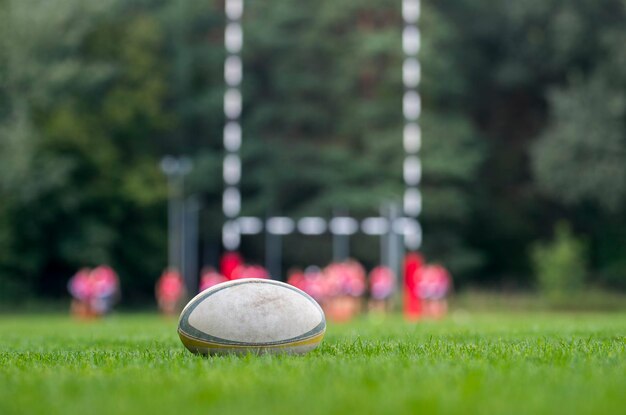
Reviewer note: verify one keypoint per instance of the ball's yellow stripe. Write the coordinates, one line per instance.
(190, 342)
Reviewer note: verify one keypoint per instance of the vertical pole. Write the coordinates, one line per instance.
(233, 77)
(395, 251)
(341, 242)
(171, 222)
(273, 255)
(337, 248)
(181, 66)
(384, 241)
(191, 244)
(177, 216)
(412, 109)
(182, 236)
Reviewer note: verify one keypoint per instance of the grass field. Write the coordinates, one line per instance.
(506, 364)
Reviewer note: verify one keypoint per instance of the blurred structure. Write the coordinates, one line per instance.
(411, 109)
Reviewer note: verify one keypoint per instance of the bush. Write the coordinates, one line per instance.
(560, 265)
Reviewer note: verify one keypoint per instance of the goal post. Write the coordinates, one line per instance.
(400, 222)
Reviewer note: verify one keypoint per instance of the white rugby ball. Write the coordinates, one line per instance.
(252, 316)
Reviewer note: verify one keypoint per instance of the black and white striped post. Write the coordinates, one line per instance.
(389, 227)
(411, 108)
(233, 76)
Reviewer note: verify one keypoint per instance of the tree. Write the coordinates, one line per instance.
(580, 159)
(83, 100)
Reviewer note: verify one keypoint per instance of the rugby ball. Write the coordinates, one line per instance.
(252, 316)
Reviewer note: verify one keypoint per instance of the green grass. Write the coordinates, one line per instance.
(506, 364)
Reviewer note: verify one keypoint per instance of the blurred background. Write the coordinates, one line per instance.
(523, 122)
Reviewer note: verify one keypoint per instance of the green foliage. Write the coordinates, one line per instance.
(547, 153)
(561, 265)
(523, 120)
(580, 157)
(513, 364)
(79, 181)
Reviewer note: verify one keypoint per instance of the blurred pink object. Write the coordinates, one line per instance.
(382, 283)
(249, 271)
(345, 278)
(80, 286)
(105, 281)
(314, 284)
(343, 285)
(210, 277)
(355, 283)
(311, 281)
(296, 278)
(170, 286)
(257, 271)
(434, 283)
(94, 291)
(170, 290)
(433, 288)
(105, 285)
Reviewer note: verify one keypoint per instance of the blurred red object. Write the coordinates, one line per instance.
(311, 281)
(295, 277)
(229, 263)
(413, 264)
